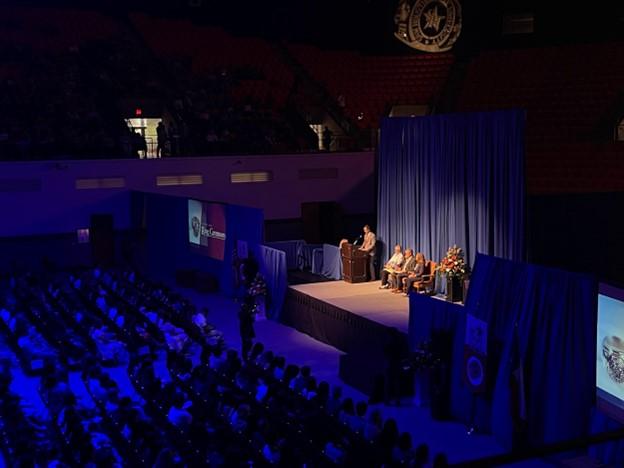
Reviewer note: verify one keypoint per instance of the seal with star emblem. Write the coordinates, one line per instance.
(428, 25)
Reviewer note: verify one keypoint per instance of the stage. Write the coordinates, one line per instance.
(363, 299)
(358, 319)
(350, 317)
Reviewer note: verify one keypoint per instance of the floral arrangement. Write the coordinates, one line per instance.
(454, 264)
(258, 286)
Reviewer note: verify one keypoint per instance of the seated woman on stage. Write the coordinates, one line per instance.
(414, 276)
(391, 266)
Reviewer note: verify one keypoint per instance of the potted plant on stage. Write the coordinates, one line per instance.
(258, 290)
(453, 266)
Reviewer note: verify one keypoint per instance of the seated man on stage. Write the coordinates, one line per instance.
(414, 276)
(409, 264)
(391, 266)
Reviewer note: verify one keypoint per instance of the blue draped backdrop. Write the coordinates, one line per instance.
(551, 316)
(453, 179)
(273, 266)
(553, 313)
(243, 223)
(247, 224)
(166, 219)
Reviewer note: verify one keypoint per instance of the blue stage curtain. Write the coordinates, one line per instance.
(317, 261)
(551, 316)
(273, 268)
(453, 179)
(609, 453)
(428, 315)
(243, 223)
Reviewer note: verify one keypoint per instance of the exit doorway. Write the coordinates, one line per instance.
(146, 127)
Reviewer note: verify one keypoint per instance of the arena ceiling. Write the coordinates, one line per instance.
(369, 25)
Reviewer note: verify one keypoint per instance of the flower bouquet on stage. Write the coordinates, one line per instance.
(453, 266)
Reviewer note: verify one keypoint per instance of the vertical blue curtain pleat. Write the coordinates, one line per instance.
(453, 179)
(247, 224)
(243, 223)
(552, 314)
(273, 267)
(459, 179)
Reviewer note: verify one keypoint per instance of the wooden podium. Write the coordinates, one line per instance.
(354, 263)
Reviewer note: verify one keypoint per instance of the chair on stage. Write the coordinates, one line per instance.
(427, 283)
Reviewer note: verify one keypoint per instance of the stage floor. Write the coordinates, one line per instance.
(363, 299)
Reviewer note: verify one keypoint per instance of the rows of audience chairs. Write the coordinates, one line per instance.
(129, 372)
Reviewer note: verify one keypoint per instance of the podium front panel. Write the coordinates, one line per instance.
(354, 262)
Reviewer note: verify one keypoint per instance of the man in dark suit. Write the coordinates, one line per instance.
(416, 275)
(369, 247)
(409, 264)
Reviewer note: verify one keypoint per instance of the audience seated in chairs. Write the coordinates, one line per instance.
(190, 403)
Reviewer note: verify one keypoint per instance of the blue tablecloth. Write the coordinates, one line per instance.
(326, 262)
(317, 261)
(273, 267)
(299, 254)
(293, 250)
(332, 263)
(307, 254)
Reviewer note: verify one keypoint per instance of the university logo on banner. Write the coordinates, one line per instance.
(428, 25)
(475, 354)
(206, 227)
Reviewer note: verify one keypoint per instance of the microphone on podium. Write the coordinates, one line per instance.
(359, 238)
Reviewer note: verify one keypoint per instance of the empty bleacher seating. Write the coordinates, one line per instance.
(370, 85)
(569, 93)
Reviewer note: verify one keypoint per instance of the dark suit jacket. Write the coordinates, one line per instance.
(409, 265)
